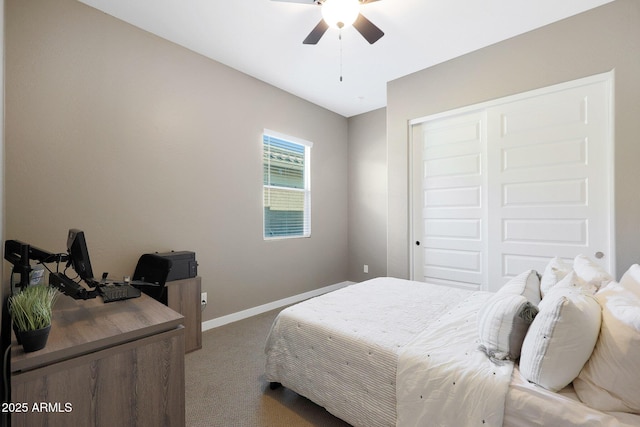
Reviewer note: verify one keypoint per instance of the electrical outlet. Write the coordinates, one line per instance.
(203, 298)
(366, 268)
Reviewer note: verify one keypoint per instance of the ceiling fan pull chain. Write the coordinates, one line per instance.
(340, 38)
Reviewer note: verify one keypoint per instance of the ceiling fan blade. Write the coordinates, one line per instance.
(368, 30)
(315, 34)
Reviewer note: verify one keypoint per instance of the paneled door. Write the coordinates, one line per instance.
(550, 174)
(450, 200)
(503, 187)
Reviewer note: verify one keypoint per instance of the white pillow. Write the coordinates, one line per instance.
(561, 338)
(503, 323)
(526, 283)
(573, 281)
(610, 381)
(555, 271)
(591, 272)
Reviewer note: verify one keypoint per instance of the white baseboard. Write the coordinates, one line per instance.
(234, 317)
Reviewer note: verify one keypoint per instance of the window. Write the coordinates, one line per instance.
(287, 194)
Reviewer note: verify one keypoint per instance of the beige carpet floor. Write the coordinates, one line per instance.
(225, 383)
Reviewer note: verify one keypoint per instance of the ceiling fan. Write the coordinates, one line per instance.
(339, 14)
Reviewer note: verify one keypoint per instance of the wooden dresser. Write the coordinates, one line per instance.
(115, 364)
(183, 296)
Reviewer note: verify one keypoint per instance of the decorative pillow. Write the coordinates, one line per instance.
(591, 272)
(503, 324)
(573, 281)
(610, 381)
(561, 338)
(526, 284)
(555, 271)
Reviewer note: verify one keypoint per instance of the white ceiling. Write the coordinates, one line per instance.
(263, 38)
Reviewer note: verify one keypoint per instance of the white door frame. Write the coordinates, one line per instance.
(607, 77)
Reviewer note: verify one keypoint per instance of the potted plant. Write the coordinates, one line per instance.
(31, 312)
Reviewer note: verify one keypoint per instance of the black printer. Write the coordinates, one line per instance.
(153, 270)
(183, 264)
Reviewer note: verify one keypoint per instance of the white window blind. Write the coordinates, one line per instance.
(287, 193)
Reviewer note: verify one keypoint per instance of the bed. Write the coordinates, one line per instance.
(389, 352)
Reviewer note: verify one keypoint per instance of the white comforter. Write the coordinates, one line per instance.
(363, 349)
(444, 380)
(340, 349)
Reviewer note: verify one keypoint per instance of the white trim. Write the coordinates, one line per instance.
(411, 229)
(306, 231)
(611, 146)
(607, 78)
(602, 77)
(244, 314)
(286, 137)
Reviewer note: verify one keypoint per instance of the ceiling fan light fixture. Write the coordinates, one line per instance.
(340, 13)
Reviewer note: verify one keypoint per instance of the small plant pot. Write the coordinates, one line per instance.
(34, 340)
(16, 332)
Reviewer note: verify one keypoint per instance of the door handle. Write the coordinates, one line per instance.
(599, 255)
(417, 242)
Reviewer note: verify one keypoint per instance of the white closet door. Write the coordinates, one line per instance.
(549, 170)
(506, 186)
(448, 202)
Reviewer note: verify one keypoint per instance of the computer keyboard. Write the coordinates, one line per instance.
(117, 292)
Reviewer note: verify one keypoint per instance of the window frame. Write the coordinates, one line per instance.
(306, 223)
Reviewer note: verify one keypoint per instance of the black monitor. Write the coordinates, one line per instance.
(79, 255)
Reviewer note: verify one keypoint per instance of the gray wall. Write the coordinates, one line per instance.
(603, 39)
(367, 195)
(147, 146)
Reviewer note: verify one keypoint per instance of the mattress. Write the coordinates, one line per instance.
(340, 350)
